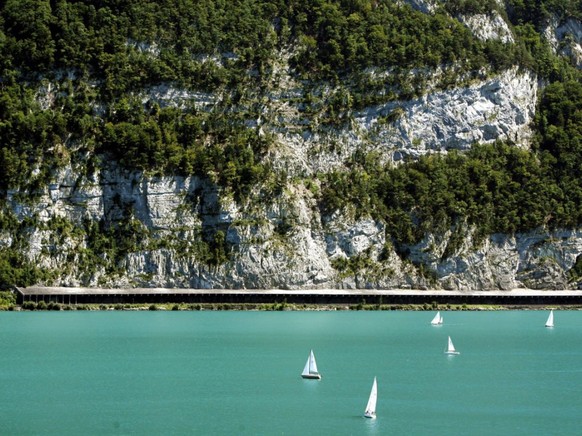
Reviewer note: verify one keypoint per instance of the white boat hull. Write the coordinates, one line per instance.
(369, 416)
(311, 376)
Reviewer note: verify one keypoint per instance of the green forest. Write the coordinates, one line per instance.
(101, 54)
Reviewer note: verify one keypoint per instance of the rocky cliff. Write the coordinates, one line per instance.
(264, 257)
(291, 243)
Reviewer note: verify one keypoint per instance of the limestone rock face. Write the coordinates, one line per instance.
(500, 108)
(487, 27)
(566, 38)
(310, 252)
(536, 260)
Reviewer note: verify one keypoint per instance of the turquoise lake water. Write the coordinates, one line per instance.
(230, 373)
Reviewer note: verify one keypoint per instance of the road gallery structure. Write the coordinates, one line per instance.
(73, 295)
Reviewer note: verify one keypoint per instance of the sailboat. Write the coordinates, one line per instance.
(451, 348)
(437, 320)
(550, 321)
(310, 370)
(371, 406)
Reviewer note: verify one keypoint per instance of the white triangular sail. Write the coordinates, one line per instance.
(550, 321)
(306, 369)
(451, 348)
(312, 363)
(371, 406)
(437, 320)
(310, 370)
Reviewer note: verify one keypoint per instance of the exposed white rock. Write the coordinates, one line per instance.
(166, 95)
(152, 49)
(566, 38)
(45, 95)
(537, 260)
(347, 240)
(486, 27)
(266, 255)
(500, 108)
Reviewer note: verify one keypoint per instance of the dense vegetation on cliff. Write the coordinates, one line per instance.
(95, 60)
(106, 52)
(499, 188)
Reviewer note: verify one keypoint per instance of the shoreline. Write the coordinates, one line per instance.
(282, 307)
